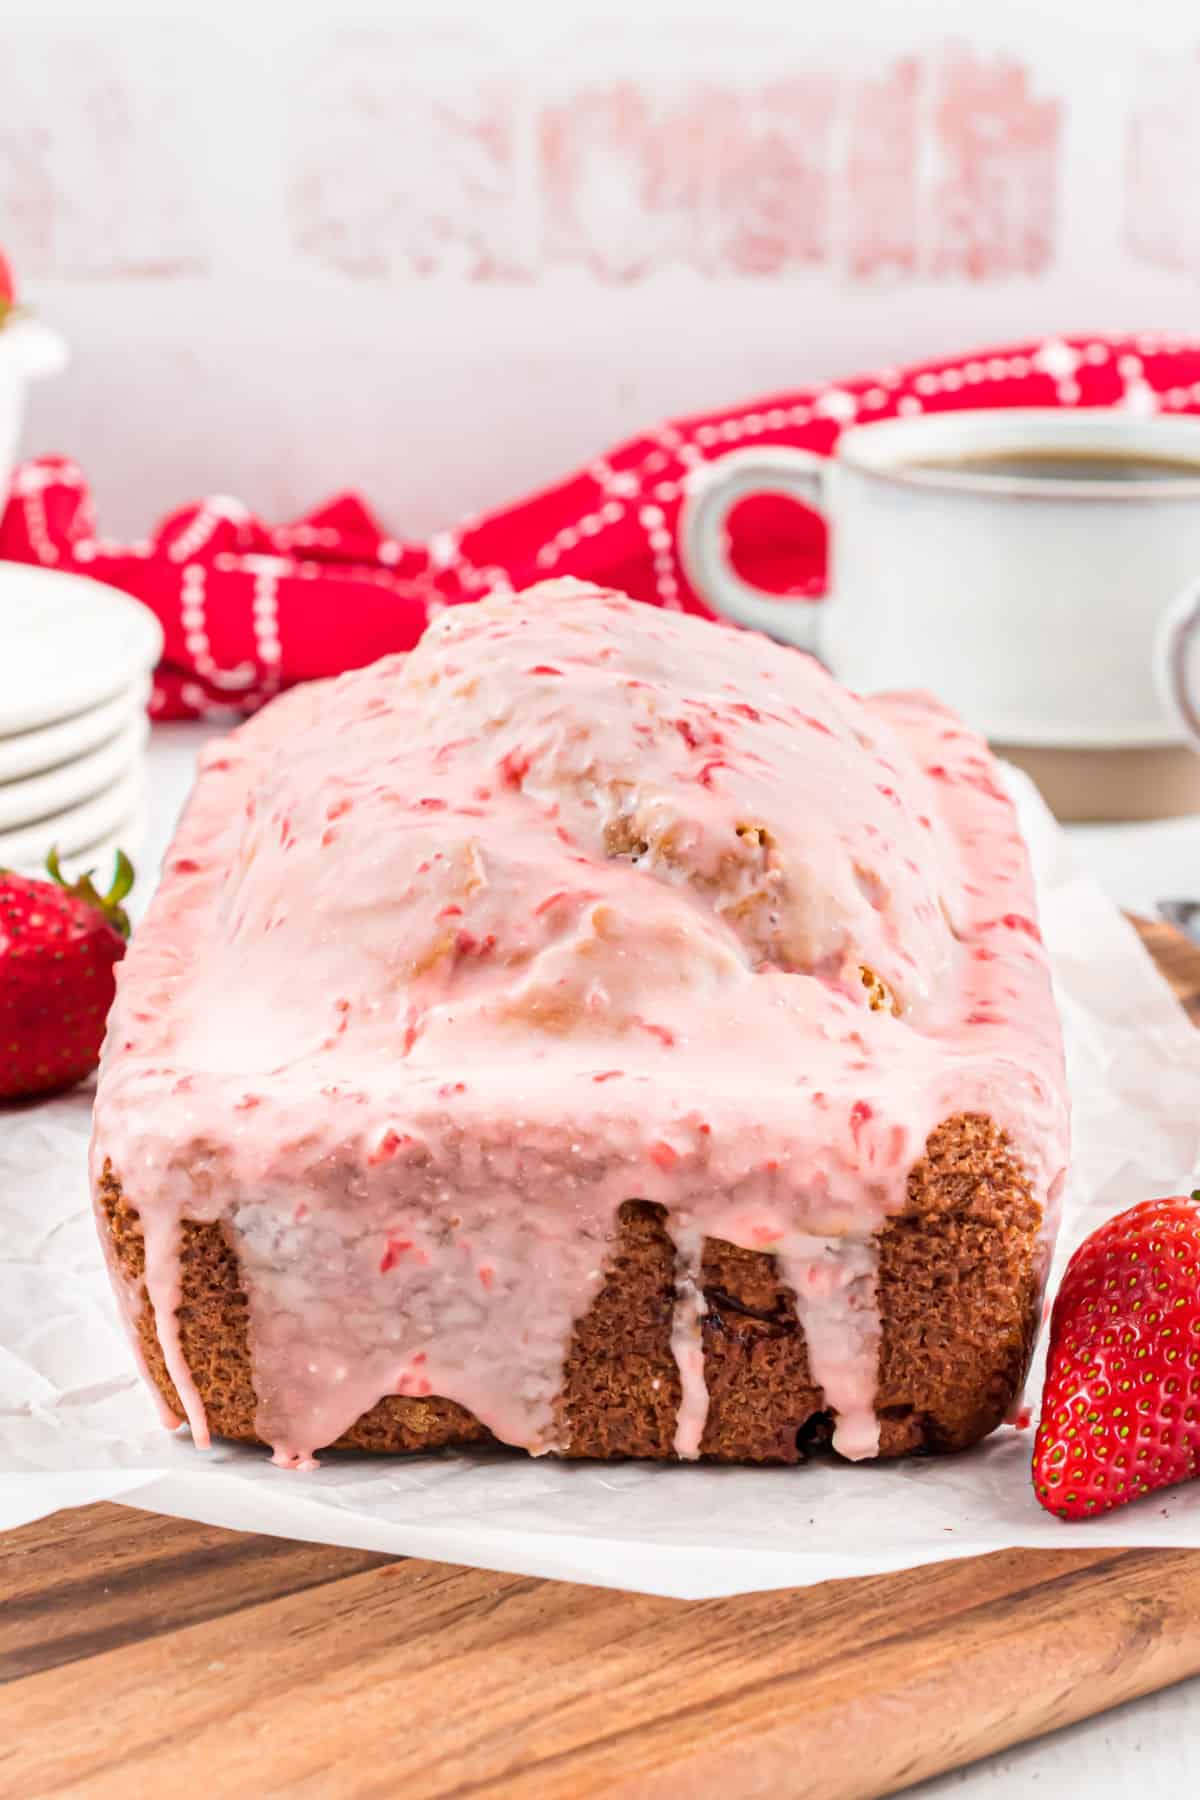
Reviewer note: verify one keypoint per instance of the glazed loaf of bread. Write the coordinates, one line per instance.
(597, 1031)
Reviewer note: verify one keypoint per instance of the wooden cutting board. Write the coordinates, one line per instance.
(148, 1655)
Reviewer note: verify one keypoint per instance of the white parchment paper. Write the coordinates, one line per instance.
(76, 1425)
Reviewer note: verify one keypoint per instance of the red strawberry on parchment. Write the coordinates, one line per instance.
(1121, 1407)
(59, 945)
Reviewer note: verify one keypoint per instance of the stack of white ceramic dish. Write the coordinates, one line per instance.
(75, 665)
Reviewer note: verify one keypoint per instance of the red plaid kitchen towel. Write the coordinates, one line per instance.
(248, 608)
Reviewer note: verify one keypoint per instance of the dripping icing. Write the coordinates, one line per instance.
(687, 1345)
(564, 943)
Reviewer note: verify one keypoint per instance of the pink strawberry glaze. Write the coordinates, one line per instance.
(456, 953)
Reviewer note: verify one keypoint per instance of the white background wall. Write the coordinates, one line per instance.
(443, 256)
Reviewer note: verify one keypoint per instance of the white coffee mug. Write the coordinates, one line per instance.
(1176, 660)
(1028, 602)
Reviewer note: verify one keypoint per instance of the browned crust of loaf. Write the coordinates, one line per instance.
(958, 1290)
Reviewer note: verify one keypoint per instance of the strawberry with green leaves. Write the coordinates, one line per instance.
(1121, 1407)
(59, 947)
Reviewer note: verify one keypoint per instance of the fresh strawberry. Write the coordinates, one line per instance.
(8, 292)
(1121, 1408)
(58, 948)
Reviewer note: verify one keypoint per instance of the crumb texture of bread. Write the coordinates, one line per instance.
(598, 1032)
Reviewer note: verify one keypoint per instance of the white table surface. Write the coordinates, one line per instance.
(1151, 1746)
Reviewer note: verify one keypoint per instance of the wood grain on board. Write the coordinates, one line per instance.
(143, 1654)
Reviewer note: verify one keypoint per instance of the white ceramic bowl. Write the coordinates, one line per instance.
(72, 644)
(33, 752)
(28, 350)
(76, 828)
(84, 778)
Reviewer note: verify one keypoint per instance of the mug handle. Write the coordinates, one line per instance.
(711, 491)
(1175, 632)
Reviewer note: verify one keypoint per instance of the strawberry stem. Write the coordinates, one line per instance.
(84, 889)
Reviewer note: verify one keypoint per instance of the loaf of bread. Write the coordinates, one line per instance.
(599, 1032)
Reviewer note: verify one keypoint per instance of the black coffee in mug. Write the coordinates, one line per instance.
(1038, 464)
